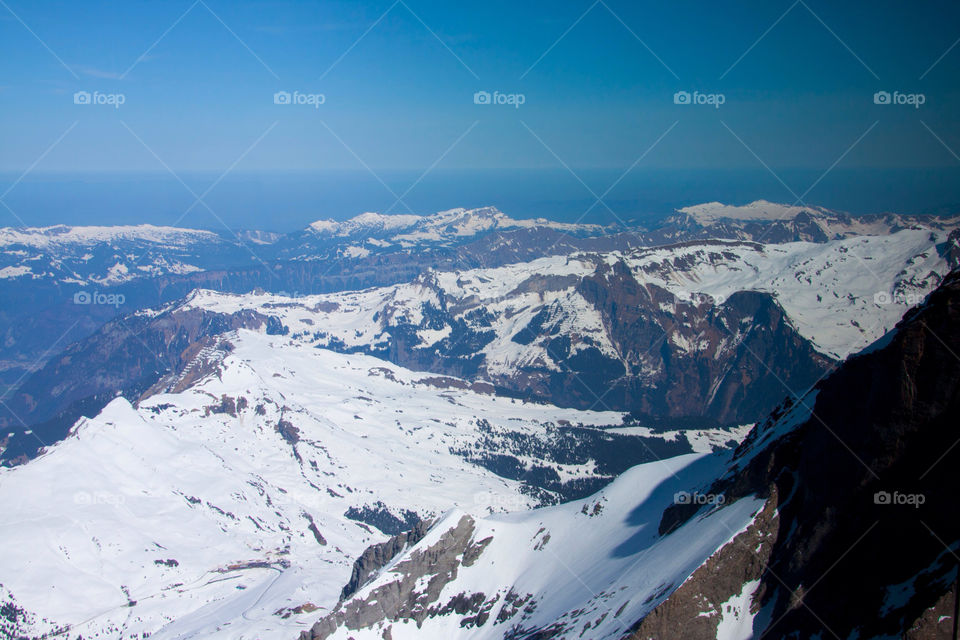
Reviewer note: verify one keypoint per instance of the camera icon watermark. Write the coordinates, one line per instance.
(85, 498)
(511, 99)
(297, 98)
(499, 503)
(699, 298)
(115, 100)
(700, 499)
(698, 98)
(896, 498)
(884, 298)
(910, 99)
(111, 299)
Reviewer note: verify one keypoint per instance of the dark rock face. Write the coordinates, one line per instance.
(375, 557)
(415, 594)
(748, 351)
(695, 609)
(865, 488)
(938, 622)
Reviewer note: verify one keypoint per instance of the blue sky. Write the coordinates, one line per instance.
(201, 96)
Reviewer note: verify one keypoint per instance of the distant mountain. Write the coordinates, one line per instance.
(763, 221)
(834, 517)
(110, 256)
(439, 227)
(653, 330)
(63, 282)
(107, 256)
(714, 330)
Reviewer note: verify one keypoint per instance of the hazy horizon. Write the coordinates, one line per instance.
(284, 201)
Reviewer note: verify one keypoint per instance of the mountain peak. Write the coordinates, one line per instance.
(758, 210)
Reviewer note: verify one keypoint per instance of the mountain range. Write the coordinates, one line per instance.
(464, 425)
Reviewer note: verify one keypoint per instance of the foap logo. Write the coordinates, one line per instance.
(297, 98)
(712, 99)
(291, 294)
(114, 100)
(896, 498)
(497, 503)
(698, 298)
(511, 99)
(883, 298)
(86, 297)
(86, 498)
(686, 497)
(909, 99)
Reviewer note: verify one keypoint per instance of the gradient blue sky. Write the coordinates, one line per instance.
(399, 99)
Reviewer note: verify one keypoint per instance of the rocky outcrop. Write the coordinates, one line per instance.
(415, 592)
(695, 609)
(376, 557)
(747, 350)
(939, 622)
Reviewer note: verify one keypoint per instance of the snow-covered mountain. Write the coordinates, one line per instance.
(109, 256)
(233, 499)
(453, 223)
(105, 256)
(716, 329)
(530, 326)
(588, 568)
(728, 546)
(219, 457)
(770, 222)
(68, 280)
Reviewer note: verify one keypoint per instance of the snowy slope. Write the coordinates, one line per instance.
(642, 556)
(763, 220)
(588, 568)
(197, 506)
(361, 318)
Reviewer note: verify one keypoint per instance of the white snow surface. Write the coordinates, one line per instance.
(89, 524)
(592, 570)
(736, 618)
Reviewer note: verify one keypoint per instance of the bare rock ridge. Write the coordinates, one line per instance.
(865, 539)
(375, 557)
(415, 594)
